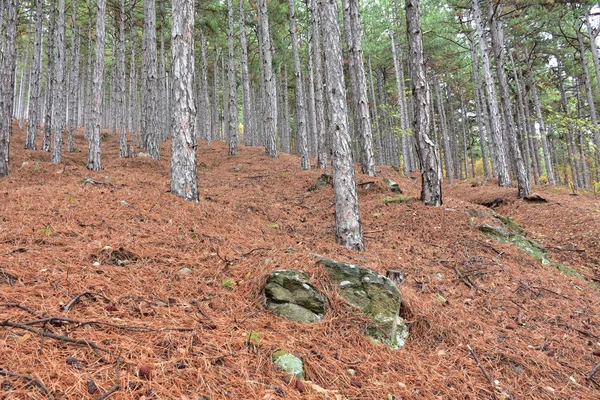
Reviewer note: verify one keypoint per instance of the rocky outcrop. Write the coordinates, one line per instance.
(290, 294)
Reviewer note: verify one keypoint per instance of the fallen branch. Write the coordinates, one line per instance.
(464, 279)
(76, 300)
(197, 305)
(61, 338)
(31, 379)
(551, 291)
(21, 306)
(483, 370)
(256, 249)
(594, 371)
(558, 248)
(133, 328)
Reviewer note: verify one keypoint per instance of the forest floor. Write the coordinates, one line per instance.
(106, 257)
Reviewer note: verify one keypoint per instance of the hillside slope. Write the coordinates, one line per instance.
(119, 239)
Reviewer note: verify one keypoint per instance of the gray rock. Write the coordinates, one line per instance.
(289, 294)
(289, 363)
(185, 271)
(393, 185)
(374, 294)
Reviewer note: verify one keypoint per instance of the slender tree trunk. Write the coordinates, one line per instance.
(60, 86)
(284, 130)
(184, 178)
(404, 124)
(121, 105)
(150, 82)
(444, 128)
(359, 84)
(9, 61)
(21, 112)
(322, 152)
(94, 159)
(215, 110)
(270, 111)
(431, 170)
(476, 77)
(245, 77)
(375, 114)
(300, 115)
(590, 94)
(232, 118)
(347, 218)
(35, 79)
(74, 77)
(49, 81)
(204, 112)
(501, 164)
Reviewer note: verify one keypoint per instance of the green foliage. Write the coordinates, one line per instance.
(228, 283)
(46, 230)
(396, 199)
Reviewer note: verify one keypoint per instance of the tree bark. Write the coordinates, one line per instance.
(245, 77)
(300, 115)
(590, 94)
(184, 178)
(35, 79)
(499, 152)
(431, 170)
(476, 77)
(359, 84)
(444, 128)
(232, 117)
(270, 111)
(347, 219)
(9, 61)
(60, 86)
(322, 152)
(404, 124)
(49, 80)
(94, 157)
(150, 82)
(121, 104)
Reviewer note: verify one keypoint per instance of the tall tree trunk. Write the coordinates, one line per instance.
(284, 129)
(35, 79)
(184, 178)
(58, 121)
(215, 110)
(21, 111)
(347, 219)
(359, 84)
(375, 114)
(232, 118)
(121, 106)
(245, 77)
(444, 128)
(49, 80)
(322, 152)
(73, 78)
(431, 170)
(204, 112)
(590, 94)
(150, 82)
(270, 109)
(476, 77)
(94, 157)
(497, 36)
(501, 163)
(9, 61)
(404, 124)
(300, 115)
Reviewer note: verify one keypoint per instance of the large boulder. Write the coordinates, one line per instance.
(374, 294)
(289, 294)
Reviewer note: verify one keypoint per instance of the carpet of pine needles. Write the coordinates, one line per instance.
(95, 301)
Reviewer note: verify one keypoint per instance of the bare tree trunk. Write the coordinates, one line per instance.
(501, 163)
(284, 129)
(232, 118)
(21, 112)
(359, 84)
(444, 128)
(590, 94)
(215, 110)
(270, 112)
(248, 126)
(322, 152)
(150, 82)
(121, 104)
(49, 81)
(58, 121)
(375, 113)
(73, 78)
(431, 170)
(204, 112)
(347, 218)
(184, 178)
(35, 79)
(94, 158)
(476, 77)
(9, 61)
(300, 115)
(497, 36)
(404, 124)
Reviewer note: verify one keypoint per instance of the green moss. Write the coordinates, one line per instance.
(396, 199)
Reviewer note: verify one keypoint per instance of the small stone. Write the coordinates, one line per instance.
(96, 264)
(289, 363)
(185, 271)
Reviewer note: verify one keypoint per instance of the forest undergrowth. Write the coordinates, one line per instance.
(112, 286)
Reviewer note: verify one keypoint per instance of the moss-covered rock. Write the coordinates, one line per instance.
(376, 295)
(289, 363)
(289, 294)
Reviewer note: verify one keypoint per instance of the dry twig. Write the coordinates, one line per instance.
(483, 370)
(61, 338)
(31, 379)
